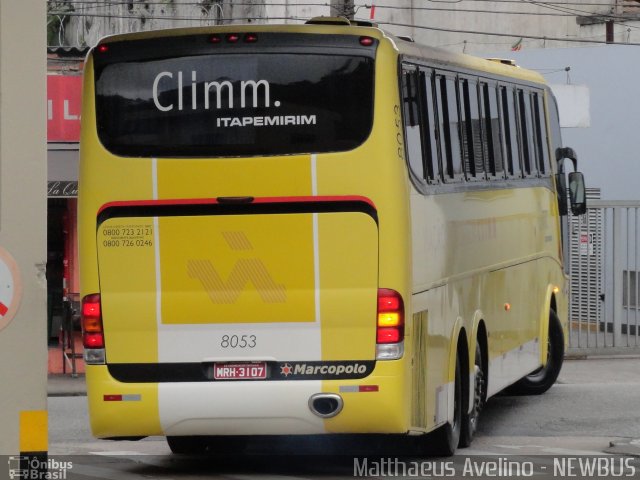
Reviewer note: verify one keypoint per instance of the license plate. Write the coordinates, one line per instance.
(239, 371)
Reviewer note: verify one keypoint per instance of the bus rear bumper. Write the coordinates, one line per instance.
(371, 405)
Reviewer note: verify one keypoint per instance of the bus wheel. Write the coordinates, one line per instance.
(187, 445)
(542, 379)
(470, 420)
(444, 441)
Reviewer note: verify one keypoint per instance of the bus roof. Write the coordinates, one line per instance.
(403, 47)
(461, 60)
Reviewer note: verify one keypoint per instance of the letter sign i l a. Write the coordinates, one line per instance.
(67, 115)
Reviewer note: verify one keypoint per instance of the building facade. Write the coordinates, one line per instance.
(472, 26)
(64, 88)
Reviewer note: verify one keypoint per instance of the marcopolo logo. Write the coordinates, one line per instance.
(304, 369)
(325, 370)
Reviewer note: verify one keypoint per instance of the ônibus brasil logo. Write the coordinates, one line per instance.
(26, 467)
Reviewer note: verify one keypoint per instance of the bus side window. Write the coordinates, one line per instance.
(448, 126)
(472, 155)
(491, 131)
(542, 140)
(512, 154)
(412, 134)
(476, 127)
(466, 133)
(526, 134)
(430, 134)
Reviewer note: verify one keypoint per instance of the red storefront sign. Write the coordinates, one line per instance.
(64, 100)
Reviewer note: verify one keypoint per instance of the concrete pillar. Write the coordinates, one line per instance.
(23, 223)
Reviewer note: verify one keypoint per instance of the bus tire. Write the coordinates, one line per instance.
(469, 423)
(444, 440)
(187, 445)
(542, 379)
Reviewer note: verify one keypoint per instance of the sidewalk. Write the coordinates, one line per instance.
(61, 385)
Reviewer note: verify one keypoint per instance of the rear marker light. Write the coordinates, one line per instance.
(233, 38)
(103, 48)
(366, 41)
(215, 39)
(250, 38)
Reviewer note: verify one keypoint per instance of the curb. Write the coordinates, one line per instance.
(66, 386)
(66, 394)
(630, 448)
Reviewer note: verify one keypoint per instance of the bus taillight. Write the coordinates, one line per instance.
(91, 319)
(390, 325)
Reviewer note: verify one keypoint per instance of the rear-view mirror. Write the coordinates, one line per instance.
(577, 193)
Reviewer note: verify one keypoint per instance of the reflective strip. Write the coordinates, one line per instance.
(348, 388)
(123, 398)
(359, 388)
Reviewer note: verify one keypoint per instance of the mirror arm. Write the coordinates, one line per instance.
(564, 153)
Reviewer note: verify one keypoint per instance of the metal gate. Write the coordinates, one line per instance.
(604, 264)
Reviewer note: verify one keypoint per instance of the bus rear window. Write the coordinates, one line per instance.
(235, 104)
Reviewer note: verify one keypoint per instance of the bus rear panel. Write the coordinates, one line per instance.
(231, 240)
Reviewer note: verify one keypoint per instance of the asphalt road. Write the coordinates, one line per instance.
(593, 403)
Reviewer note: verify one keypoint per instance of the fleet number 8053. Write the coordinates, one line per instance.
(238, 341)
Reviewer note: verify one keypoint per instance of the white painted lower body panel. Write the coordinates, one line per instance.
(238, 408)
(513, 365)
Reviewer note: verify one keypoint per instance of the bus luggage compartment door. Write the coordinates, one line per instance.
(190, 285)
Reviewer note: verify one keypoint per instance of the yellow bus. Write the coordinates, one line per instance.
(315, 229)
